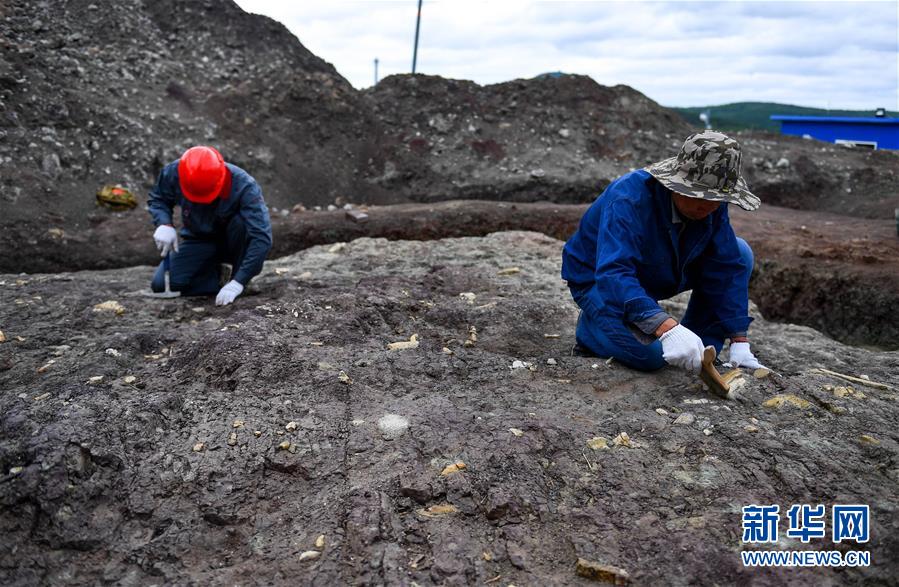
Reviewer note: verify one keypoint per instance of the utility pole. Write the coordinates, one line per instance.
(415, 49)
(376, 71)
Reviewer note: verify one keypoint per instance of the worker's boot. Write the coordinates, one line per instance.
(579, 350)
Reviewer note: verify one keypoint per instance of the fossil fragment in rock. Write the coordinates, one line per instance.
(110, 306)
(412, 343)
(453, 468)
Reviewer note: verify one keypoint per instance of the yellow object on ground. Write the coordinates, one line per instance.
(116, 197)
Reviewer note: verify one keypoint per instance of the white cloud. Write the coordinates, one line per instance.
(836, 54)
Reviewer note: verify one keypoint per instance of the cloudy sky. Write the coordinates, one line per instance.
(824, 54)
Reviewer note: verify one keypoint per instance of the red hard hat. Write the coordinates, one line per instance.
(202, 174)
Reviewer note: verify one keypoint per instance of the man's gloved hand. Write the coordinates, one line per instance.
(682, 348)
(741, 356)
(226, 295)
(166, 238)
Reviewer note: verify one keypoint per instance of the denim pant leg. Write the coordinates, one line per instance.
(699, 320)
(192, 270)
(610, 337)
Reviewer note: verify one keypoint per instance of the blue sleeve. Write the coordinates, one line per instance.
(617, 250)
(254, 213)
(164, 196)
(723, 291)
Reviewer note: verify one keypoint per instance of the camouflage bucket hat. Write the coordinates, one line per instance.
(708, 167)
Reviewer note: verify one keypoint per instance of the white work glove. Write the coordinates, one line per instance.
(231, 290)
(741, 356)
(682, 348)
(166, 238)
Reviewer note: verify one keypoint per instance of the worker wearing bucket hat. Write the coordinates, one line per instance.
(652, 234)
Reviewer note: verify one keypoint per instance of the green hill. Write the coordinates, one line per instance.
(755, 115)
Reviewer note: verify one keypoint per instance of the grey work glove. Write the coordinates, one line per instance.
(741, 356)
(226, 295)
(682, 348)
(166, 238)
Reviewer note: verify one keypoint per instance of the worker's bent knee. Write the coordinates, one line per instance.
(611, 338)
(647, 359)
(656, 362)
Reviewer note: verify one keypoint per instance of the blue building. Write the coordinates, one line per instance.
(877, 132)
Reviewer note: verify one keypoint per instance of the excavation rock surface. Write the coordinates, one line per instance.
(145, 477)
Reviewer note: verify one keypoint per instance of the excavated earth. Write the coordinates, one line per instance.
(96, 92)
(141, 445)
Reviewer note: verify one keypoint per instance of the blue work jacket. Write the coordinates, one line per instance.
(628, 253)
(209, 221)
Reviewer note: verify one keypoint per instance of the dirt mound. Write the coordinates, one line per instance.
(106, 92)
(563, 139)
(176, 442)
(93, 93)
(811, 175)
(559, 139)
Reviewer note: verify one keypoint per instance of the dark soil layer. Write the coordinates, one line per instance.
(175, 476)
(856, 307)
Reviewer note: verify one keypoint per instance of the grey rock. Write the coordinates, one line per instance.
(51, 165)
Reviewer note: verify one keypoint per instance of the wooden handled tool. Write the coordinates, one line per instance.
(710, 375)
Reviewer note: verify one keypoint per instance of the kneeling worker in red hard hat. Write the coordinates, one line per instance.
(224, 220)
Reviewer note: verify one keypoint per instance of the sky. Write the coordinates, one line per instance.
(839, 55)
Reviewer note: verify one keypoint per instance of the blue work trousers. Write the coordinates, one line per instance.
(607, 336)
(195, 269)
